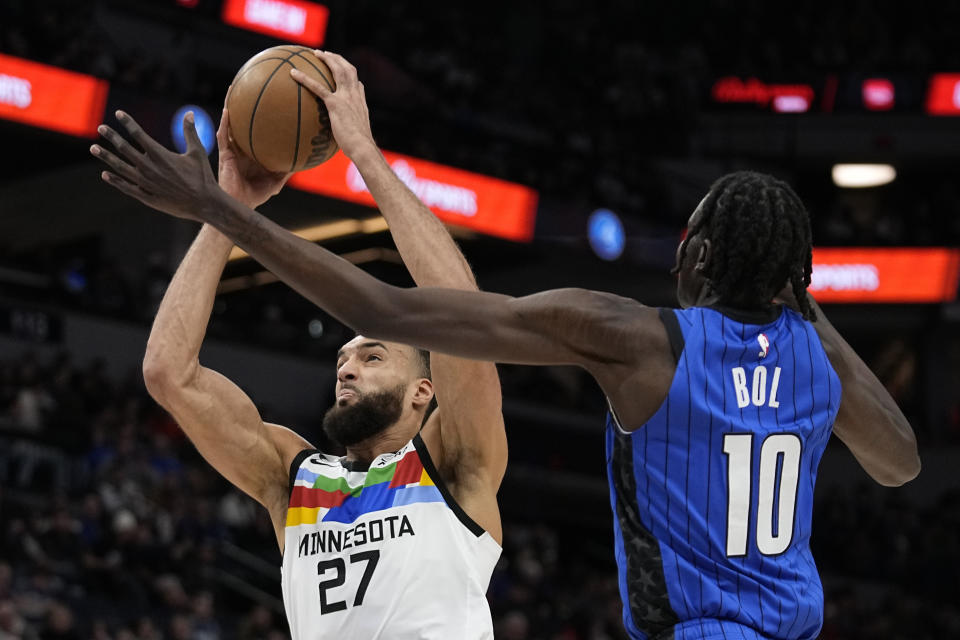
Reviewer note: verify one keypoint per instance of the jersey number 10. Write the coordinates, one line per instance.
(779, 465)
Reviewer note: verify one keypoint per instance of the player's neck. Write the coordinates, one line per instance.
(391, 439)
(707, 297)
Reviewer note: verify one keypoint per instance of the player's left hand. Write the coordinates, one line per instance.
(181, 184)
(346, 105)
(240, 176)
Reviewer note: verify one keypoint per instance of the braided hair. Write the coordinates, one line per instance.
(760, 235)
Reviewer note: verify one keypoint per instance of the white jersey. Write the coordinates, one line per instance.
(382, 552)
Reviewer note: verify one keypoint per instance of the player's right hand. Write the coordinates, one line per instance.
(181, 184)
(240, 176)
(347, 105)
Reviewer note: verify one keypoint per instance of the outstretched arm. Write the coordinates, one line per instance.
(869, 421)
(564, 326)
(469, 421)
(216, 415)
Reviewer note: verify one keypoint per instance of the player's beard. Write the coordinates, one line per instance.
(367, 416)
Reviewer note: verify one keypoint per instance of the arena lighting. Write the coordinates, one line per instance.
(606, 235)
(887, 275)
(51, 98)
(478, 202)
(791, 103)
(858, 176)
(878, 94)
(206, 130)
(289, 20)
(331, 230)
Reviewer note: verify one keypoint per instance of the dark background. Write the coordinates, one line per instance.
(110, 524)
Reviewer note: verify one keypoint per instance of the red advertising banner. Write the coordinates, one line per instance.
(488, 205)
(943, 97)
(885, 275)
(290, 20)
(50, 97)
(782, 98)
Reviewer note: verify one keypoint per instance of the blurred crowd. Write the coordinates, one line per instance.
(920, 208)
(577, 101)
(888, 564)
(571, 98)
(112, 528)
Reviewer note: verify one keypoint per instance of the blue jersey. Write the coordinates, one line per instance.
(713, 496)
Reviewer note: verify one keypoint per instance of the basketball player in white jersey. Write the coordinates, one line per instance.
(398, 538)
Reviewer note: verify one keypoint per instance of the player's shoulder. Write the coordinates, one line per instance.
(578, 299)
(290, 445)
(628, 315)
(602, 300)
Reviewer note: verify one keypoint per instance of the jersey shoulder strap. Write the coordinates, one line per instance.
(677, 342)
(295, 467)
(441, 485)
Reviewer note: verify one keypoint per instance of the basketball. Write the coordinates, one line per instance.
(275, 120)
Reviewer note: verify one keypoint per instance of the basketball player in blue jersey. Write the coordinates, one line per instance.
(397, 539)
(719, 411)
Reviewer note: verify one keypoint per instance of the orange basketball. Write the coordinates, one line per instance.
(275, 120)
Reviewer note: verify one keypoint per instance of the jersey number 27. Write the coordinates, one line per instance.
(340, 569)
(779, 468)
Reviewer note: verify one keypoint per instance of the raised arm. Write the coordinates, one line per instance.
(427, 249)
(216, 415)
(869, 421)
(468, 422)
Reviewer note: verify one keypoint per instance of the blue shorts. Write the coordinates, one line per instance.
(712, 629)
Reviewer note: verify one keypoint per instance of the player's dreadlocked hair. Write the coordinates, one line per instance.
(760, 235)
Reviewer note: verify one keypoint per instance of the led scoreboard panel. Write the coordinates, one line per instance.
(51, 98)
(938, 94)
(885, 275)
(288, 20)
(482, 203)
(943, 99)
